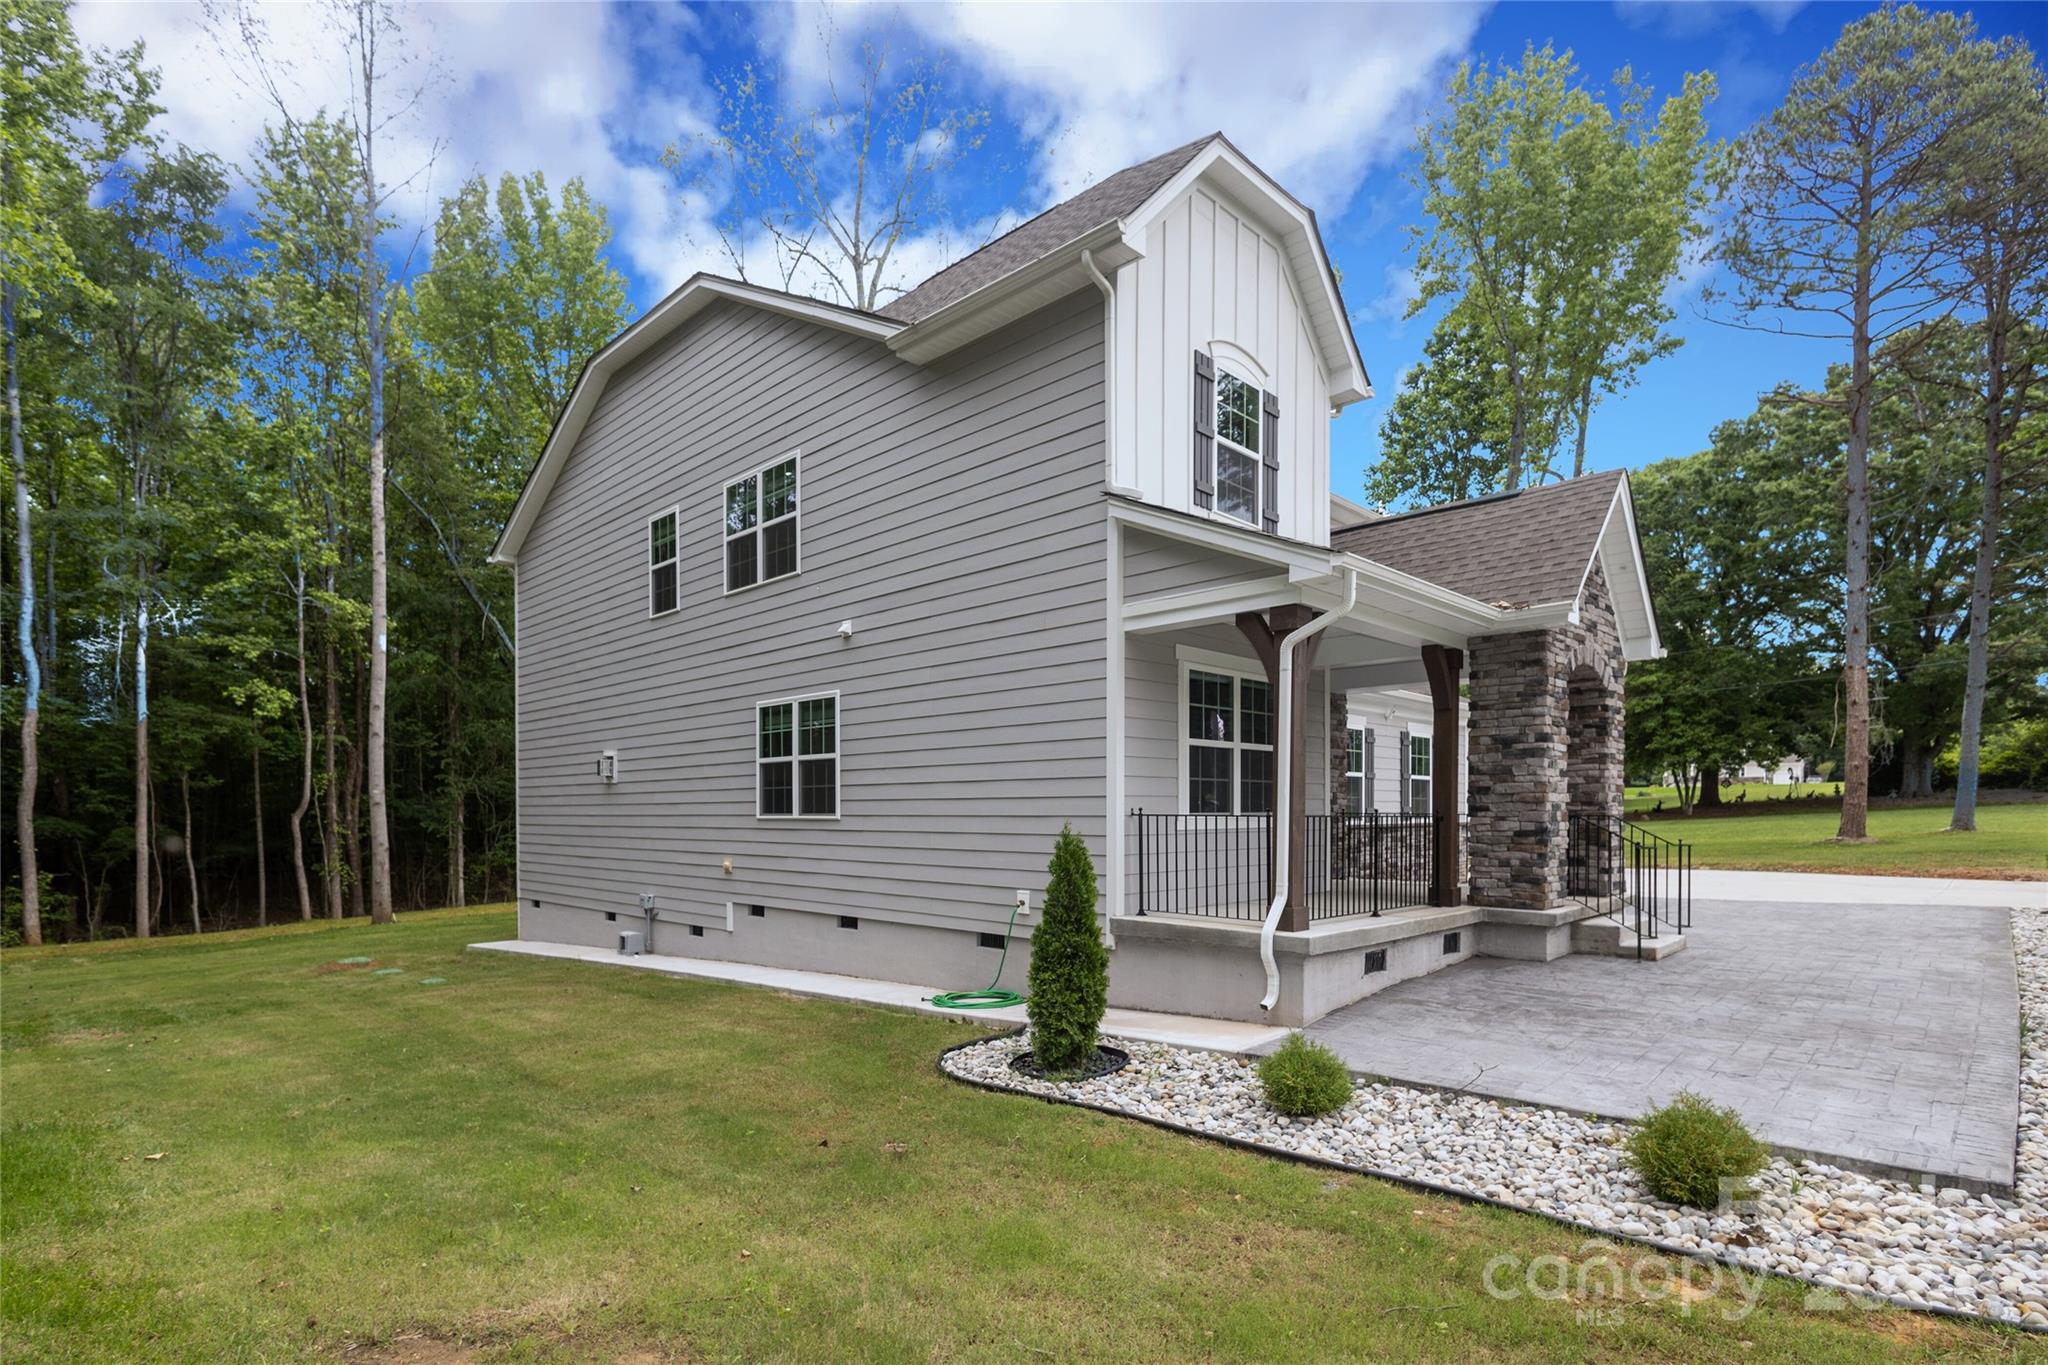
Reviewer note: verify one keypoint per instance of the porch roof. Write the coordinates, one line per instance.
(1531, 548)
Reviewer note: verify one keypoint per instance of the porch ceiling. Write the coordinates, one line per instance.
(1377, 630)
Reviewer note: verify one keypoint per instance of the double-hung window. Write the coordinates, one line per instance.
(1229, 743)
(796, 757)
(1354, 771)
(661, 564)
(1418, 773)
(761, 526)
(1238, 446)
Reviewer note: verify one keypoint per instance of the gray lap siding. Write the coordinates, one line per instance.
(952, 513)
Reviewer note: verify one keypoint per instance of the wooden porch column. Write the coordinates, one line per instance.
(1265, 634)
(1447, 760)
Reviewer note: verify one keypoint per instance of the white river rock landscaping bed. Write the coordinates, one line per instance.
(1918, 1245)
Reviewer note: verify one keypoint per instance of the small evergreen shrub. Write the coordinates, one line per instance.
(1304, 1079)
(1686, 1149)
(1069, 980)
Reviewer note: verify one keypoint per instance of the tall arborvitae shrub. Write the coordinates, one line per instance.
(1069, 965)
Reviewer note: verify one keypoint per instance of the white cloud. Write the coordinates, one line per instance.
(1316, 95)
(514, 87)
(1687, 18)
(1401, 289)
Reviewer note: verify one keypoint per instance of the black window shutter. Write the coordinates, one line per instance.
(1269, 502)
(1205, 431)
(1369, 755)
(1402, 773)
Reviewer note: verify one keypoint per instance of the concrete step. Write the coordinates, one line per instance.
(1611, 938)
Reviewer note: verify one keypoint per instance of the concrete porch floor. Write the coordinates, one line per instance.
(1882, 1037)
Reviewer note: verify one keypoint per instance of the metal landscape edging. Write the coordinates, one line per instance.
(1450, 1192)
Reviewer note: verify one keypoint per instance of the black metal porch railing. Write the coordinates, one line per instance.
(1364, 863)
(1222, 865)
(1628, 873)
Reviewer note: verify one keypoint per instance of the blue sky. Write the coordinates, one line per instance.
(1324, 97)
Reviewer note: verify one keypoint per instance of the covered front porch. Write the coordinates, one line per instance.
(1248, 787)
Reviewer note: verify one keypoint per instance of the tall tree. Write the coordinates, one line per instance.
(1995, 206)
(818, 194)
(1448, 435)
(63, 115)
(1834, 221)
(161, 338)
(385, 87)
(1556, 222)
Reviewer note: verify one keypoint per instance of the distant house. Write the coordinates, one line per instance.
(1782, 773)
(829, 621)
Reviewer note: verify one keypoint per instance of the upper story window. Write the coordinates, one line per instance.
(761, 526)
(1236, 447)
(1227, 747)
(796, 757)
(661, 564)
(1238, 437)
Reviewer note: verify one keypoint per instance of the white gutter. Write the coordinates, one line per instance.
(1284, 749)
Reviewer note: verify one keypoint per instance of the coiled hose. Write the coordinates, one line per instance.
(993, 998)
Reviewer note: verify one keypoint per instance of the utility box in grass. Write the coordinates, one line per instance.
(632, 943)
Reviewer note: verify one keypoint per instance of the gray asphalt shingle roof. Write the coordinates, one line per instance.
(1118, 196)
(1520, 548)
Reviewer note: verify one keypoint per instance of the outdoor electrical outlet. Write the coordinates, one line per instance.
(646, 900)
(1023, 903)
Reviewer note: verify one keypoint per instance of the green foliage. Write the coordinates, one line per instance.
(1558, 217)
(1069, 980)
(1304, 1079)
(1448, 435)
(1684, 1150)
(2014, 755)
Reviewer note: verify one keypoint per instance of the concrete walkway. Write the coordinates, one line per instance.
(1180, 1030)
(1884, 1037)
(1834, 888)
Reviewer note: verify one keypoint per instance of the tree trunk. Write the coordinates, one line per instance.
(352, 813)
(1916, 769)
(32, 677)
(142, 811)
(262, 873)
(1855, 823)
(191, 867)
(1710, 786)
(330, 830)
(305, 760)
(1583, 416)
(458, 879)
(1969, 753)
(374, 324)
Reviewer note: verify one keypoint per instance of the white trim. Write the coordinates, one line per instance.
(1031, 286)
(1190, 660)
(690, 298)
(797, 756)
(674, 561)
(1117, 647)
(1161, 611)
(760, 527)
(1224, 165)
(1220, 369)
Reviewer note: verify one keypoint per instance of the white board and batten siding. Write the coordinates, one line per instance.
(950, 512)
(1212, 279)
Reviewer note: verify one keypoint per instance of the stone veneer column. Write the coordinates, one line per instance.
(1547, 731)
(1516, 776)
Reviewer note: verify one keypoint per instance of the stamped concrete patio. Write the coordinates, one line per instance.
(1884, 1037)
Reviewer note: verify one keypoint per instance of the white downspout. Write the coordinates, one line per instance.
(1109, 366)
(1284, 784)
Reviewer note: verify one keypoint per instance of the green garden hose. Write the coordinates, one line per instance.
(992, 998)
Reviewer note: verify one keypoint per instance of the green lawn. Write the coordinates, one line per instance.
(1641, 800)
(2010, 841)
(239, 1149)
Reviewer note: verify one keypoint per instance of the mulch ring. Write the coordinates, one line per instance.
(1106, 1061)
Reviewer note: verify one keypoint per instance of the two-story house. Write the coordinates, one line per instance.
(828, 621)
